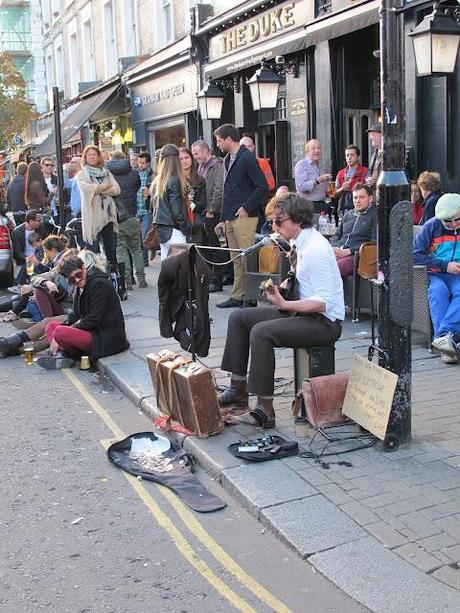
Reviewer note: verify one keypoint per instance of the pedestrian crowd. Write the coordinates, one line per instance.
(192, 195)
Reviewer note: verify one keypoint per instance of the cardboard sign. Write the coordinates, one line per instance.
(369, 396)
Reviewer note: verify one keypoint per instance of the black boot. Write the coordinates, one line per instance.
(10, 345)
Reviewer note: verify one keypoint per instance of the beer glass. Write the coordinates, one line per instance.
(29, 353)
(331, 189)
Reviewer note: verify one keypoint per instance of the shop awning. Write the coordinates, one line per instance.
(86, 109)
(76, 120)
(342, 23)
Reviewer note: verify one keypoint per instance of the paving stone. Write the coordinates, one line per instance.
(419, 524)
(295, 462)
(359, 513)
(418, 557)
(449, 484)
(406, 506)
(442, 557)
(389, 537)
(451, 525)
(380, 500)
(443, 510)
(383, 581)
(211, 453)
(431, 492)
(264, 484)
(449, 576)
(334, 493)
(324, 525)
(453, 553)
(313, 476)
(438, 541)
(453, 461)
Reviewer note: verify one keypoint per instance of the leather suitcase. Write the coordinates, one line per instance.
(197, 398)
(161, 365)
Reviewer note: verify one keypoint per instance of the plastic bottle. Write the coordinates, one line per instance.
(323, 220)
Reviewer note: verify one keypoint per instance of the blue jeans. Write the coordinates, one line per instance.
(444, 300)
(145, 221)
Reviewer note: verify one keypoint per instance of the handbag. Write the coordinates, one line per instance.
(151, 240)
(321, 399)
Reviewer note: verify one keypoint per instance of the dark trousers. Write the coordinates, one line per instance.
(259, 331)
(109, 240)
(210, 238)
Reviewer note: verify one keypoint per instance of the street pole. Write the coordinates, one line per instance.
(58, 143)
(394, 227)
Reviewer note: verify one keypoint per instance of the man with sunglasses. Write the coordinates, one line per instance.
(437, 247)
(319, 311)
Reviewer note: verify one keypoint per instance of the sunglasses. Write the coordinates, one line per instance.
(454, 220)
(75, 278)
(279, 220)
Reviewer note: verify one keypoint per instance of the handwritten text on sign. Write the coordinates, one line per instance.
(369, 396)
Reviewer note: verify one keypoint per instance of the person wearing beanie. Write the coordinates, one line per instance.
(437, 247)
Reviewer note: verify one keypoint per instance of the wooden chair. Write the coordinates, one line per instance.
(364, 267)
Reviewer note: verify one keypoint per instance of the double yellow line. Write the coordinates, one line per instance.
(182, 544)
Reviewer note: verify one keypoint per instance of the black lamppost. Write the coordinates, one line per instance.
(58, 143)
(435, 48)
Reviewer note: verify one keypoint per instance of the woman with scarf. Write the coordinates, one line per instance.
(195, 193)
(168, 200)
(98, 210)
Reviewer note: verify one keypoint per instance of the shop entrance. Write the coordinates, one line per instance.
(272, 142)
(356, 124)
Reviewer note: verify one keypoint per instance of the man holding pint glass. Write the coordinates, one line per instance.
(311, 181)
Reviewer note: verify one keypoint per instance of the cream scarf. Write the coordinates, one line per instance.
(97, 207)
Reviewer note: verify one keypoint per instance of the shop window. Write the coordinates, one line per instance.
(323, 7)
(88, 51)
(164, 25)
(111, 57)
(281, 108)
(131, 36)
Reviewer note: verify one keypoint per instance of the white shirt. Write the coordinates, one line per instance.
(318, 274)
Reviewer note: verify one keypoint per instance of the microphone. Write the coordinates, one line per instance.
(266, 240)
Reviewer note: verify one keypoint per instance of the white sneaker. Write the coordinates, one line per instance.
(448, 359)
(445, 344)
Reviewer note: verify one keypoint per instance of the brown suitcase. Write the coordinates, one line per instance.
(161, 365)
(196, 400)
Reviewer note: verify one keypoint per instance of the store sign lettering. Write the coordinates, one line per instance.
(273, 22)
(163, 94)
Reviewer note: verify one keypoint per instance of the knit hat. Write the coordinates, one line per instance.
(448, 206)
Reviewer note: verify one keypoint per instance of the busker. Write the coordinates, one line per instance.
(319, 312)
(95, 328)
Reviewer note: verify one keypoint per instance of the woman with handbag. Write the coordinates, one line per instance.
(169, 214)
(37, 196)
(98, 210)
(195, 193)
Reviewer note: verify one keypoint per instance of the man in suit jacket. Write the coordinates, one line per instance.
(375, 165)
(245, 192)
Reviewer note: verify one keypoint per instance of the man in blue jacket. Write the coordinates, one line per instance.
(437, 247)
(245, 192)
